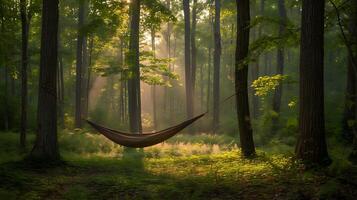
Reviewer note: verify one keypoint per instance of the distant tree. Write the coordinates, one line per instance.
(349, 113)
(216, 63)
(25, 21)
(352, 80)
(193, 46)
(46, 146)
(80, 62)
(280, 62)
(188, 72)
(134, 99)
(241, 78)
(311, 145)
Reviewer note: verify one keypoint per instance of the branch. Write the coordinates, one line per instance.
(349, 48)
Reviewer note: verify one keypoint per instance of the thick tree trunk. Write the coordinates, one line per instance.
(280, 64)
(241, 78)
(216, 64)
(46, 147)
(311, 145)
(134, 99)
(24, 61)
(188, 70)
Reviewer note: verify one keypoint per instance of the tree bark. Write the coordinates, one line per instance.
(134, 99)
(256, 67)
(280, 64)
(193, 47)
(216, 64)
(352, 80)
(188, 70)
(6, 111)
(60, 88)
(349, 114)
(79, 65)
(241, 79)
(46, 147)
(153, 88)
(311, 145)
(24, 63)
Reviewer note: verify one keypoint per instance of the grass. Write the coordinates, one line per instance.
(206, 167)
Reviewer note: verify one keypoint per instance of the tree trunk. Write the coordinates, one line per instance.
(60, 89)
(79, 67)
(280, 64)
(352, 78)
(167, 96)
(46, 147)
(241, 79)
(257, 66)
(349, 114)
(134, 99)
(153, 87)
(188, 71)
(24, 61)
(216, 64)
(6, 111)
(209, 79)
(193, 47)
(88, 84)
(311, 145)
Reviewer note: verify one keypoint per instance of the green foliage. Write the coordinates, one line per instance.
(156, 71)
(267, 84)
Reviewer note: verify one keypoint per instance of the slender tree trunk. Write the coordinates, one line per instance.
(188, 71)
(88, 84)
(280, 64)
(167, 96)
(79, 67)
(193, 47)
(311, 145)
(133, 61)
(153, 90)
(241, 78)
(24, 61)
(85, 78)
(6, 111)
(217, 64)
(60, 89)
(209, 78)
(352, 78)
(257, 66)
(349, 113)
(46, 147)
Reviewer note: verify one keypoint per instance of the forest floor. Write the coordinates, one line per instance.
(202, 167)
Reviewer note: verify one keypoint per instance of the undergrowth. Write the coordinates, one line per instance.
(206, 167)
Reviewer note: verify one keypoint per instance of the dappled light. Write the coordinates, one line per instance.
(178, 99)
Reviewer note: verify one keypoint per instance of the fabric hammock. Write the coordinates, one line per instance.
(140, 140)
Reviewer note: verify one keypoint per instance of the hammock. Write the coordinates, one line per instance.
(141, 140)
